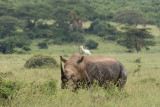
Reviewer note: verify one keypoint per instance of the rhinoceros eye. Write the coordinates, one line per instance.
(72, 76)
(66, 71)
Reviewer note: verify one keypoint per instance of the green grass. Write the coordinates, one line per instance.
(141, 90)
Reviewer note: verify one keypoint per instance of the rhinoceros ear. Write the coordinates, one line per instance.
(63, 59)
(80, 60)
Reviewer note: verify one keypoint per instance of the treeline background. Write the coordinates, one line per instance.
(61, 21)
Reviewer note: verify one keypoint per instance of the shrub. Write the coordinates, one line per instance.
(49, 87)
(110, 29)
(39, 61)
(138, 60)
(101, 34)
(95, 22)
(8, 88)
(21, 40)
(30, 34)
(26, 48)
(91, 44)
(58, 41)
(20, 51)
(101, 28)
(77, 37)
(8, 44)
(42, 45)
(138, 69)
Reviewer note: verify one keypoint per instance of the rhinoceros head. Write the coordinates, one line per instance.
(73, 68)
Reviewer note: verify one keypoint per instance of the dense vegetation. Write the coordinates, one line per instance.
(62, 21)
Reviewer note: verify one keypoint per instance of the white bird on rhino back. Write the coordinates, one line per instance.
(85, 51)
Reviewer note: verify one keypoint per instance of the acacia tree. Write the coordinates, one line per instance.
(32, 12)
(68, 15)
(130, 17)
(137, 39)
(8, 24)
(7, 21)
(6, 8)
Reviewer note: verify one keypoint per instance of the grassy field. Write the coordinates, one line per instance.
(141, 90)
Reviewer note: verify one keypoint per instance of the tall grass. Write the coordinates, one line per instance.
(141, 89)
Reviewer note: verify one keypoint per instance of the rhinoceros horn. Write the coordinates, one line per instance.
(63, 75)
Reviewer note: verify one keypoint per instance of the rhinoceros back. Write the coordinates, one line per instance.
(104, 73)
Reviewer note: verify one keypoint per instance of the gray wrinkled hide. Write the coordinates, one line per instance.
(104, 74)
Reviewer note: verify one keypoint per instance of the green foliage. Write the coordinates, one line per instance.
(8, 88)
(20, 51)
(42, 45)
(40, 30)
(6, 7)
(49, 87)
(109, 93)
(97, 26)
(137, 39)
(77, 38)
(58, 41)
(43, 30)
(139, 66)
(26, 48)
(138, 60)
(32, 12)
(7, 46)
(74, 37)
(91, 44)
(130, 17)
(138, 69)
(66, 15)
(9, 43)
(39, 61)
(81, 8)
(21, 40)
(8, 24)
(101, 28)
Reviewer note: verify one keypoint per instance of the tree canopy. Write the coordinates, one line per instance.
(130, 17)
(62, 20)
(137, 39)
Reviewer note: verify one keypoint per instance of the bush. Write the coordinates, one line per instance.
(8, 88)
(46, 88)
(39, 61)
(94, 23)
(77, 37)
(26, 48)
(110, 29)
(91, 44)
(101, 34)
(20, 51)
(30, 34)
(42, 45)
(21, 40)
(138, 60)
(49, 87)
(58, 41)
(7, 46)
(101, 28)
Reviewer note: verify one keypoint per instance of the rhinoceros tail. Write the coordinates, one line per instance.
(122, 77)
